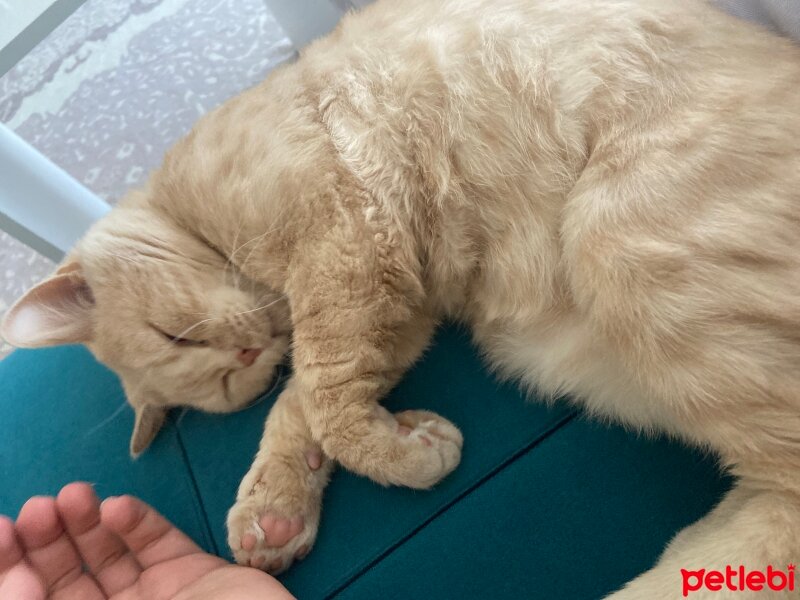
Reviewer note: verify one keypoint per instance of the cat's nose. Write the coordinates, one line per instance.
(247, 356)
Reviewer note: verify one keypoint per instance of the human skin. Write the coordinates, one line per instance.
(73, 546)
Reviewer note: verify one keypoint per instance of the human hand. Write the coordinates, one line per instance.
(73, 548)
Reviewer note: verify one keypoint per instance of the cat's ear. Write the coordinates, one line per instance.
(56, 311)
(149, 420)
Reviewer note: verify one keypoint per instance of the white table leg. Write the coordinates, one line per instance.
(306, 20)
(40, 204)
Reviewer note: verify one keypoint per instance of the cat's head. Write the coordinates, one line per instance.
(176, 322)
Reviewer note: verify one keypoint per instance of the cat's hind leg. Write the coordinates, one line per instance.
(752, 530)
(276, 515)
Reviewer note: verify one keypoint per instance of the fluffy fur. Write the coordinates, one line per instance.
(606, 192)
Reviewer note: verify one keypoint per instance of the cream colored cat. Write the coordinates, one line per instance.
(608, 193)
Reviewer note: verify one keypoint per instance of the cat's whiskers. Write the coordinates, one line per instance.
(192, 327)
(123, 258)
(184, 410)
(134, 393)
(230, 260)
(244, 312)
(260, 239)
(107, 420)
(280, 378)
(238, 270)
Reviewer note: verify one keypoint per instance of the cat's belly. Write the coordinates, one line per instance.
(567, 358)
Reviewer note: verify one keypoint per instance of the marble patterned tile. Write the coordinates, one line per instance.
(107, 107)
(116, 84)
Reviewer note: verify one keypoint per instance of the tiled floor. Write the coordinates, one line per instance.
(116, 84)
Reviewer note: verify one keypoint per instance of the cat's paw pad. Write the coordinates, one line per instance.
(439, 446)
(274, 542)
(267, 540)
(428, 427)
(277, 531)
(276, 522)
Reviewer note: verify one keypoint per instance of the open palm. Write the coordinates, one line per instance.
(73, 548)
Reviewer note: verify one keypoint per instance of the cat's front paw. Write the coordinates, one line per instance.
(434, 445)
(276, 521)
(269, 540)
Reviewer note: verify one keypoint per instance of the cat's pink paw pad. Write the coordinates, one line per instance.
(270, 541)
(276, 521)
(314, 459)
(257, 562)
(434, 447)
(278, 530)
(427, 431)
(248, 542)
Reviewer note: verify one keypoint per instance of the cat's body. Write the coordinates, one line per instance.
(608, 193)
(512, 194)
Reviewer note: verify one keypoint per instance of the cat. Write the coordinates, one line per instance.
(606, 192)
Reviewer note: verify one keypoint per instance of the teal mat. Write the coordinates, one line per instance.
(544, 504)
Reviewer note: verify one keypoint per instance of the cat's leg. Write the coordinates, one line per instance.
(755, 429)
(753, 528)
(727, 383)
(276, 515)
(694, 291)
(360, 319)
(341, 389)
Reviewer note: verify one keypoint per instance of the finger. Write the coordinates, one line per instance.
(17, 578)
(50, 552)
(107, 558)
(22, 583)
(149, 536)
(10, 550)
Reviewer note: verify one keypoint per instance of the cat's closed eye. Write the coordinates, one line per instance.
(177, 340)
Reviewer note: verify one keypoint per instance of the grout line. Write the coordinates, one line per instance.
(196, 488)
(443, 509)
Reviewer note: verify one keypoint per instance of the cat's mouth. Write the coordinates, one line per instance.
(226, 390)
(230, 401)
